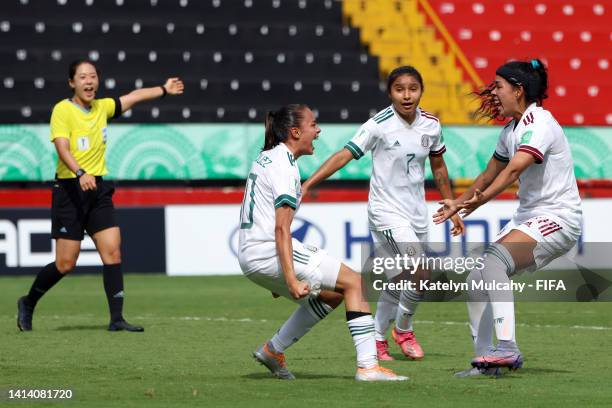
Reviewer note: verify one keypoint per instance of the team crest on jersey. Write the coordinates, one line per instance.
(425, 141)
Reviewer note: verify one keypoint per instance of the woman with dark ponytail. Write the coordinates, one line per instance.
(272, 259)
(533, 149)
(278, 122)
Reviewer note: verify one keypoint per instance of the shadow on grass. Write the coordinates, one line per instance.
(523, 372)
(298, 375)
(401, 357)
(82, 327)
(538, 370)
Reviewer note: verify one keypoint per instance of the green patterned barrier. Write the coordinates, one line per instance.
(225, 151)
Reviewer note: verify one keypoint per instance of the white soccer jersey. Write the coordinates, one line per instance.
(549, 186)
(274, 180)
(399, 150)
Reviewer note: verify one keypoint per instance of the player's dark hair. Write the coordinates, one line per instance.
(404, 70)
(532, 76)
(280, 121)
(74, 65)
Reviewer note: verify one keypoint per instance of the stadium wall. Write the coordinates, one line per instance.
(203, 239)
(225, 151)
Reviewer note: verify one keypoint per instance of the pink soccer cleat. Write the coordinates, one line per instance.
(513, 359)
(409, 344)
(382, 350)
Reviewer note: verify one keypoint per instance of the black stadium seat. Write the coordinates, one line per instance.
(238, 58)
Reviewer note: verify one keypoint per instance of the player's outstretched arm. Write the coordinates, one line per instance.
(440, 175)
(484, 179)
(284, 249)
(504, 179)
(173, 86)
(331, 165)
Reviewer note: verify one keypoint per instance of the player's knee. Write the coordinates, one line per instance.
(65, 265)
(332, 299)
(353, 281)
(498, 262)
(112, 256)
(348, 280)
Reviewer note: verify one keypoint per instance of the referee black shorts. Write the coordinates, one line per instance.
(74, 211)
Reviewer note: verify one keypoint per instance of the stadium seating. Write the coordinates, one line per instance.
(238, 58)
(573, 37)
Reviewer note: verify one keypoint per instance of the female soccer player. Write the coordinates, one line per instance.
(271, 258)
(401, 137)
(82, 200)
(533, 149)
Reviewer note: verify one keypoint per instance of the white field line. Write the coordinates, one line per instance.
(445, 323)
(250, 320)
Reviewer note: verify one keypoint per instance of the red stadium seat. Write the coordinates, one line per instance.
(573, 37)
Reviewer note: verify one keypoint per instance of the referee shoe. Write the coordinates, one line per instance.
(24, 314)
(119, 325)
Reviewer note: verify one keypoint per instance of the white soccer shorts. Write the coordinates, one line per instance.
(554, 238)
(400, 240)
(311, 265)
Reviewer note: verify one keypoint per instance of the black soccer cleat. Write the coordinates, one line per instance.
(24, 314)
(119, 325)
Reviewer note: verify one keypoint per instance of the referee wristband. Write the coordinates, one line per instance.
(164, 92)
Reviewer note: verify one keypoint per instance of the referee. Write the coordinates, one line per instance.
(82, 199)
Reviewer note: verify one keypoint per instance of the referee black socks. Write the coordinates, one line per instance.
(113, 286)
(45, 280)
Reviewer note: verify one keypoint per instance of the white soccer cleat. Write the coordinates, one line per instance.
(378, 373)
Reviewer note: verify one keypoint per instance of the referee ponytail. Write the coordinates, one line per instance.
(279, 122)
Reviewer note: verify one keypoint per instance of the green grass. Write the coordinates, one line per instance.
(200, 333)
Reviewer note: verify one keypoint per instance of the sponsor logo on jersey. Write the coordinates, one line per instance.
(526, 137)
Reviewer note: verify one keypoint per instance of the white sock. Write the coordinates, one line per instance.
(480, 315)
(386, 310)
(300, 323)
(481, 326)
(362, 330)
(409, 301)
(498, 266)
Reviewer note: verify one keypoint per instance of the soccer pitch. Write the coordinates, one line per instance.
(200, 332)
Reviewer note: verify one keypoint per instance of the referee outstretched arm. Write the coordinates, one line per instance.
(173, 86)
